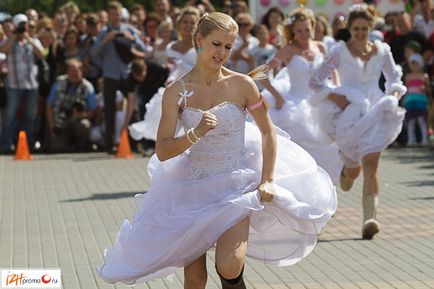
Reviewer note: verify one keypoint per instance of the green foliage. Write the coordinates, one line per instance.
(50, 6)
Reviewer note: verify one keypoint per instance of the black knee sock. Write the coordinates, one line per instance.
(237, 283)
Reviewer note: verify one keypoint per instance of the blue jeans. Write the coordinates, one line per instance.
(14, 96)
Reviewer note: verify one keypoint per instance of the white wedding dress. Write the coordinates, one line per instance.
(373, 119)
(298, 118)
(148, 127)
(195, 197)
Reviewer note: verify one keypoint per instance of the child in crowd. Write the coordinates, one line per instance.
(264, 51)
(416, 100)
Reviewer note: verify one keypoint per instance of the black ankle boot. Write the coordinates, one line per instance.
(237, 283)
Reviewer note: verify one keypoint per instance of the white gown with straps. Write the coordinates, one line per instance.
(195, 197)
(373, 118)
(298, 118)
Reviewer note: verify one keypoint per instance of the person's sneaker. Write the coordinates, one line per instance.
(370, 228)
(346, 183)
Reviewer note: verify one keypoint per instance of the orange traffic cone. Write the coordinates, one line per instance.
(22, 153)
(124, 150)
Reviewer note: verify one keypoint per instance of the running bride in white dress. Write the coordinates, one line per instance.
(358, 115)
(290, 109)
(224, 183)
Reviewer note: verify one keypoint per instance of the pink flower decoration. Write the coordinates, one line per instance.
(265, 2)
(284, 3)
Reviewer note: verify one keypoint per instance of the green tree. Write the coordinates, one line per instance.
(50, 6)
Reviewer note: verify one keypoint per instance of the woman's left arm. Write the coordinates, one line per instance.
(259, 113)
(393, 74)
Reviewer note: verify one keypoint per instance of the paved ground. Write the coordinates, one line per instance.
(61, 211)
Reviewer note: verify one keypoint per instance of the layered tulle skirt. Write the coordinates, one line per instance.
(187, 208)
(363, 127)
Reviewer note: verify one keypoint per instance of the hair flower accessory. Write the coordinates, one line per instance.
(289, 20)
(359, 7)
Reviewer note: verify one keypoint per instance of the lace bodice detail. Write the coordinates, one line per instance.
(221, 149)
(300, 70)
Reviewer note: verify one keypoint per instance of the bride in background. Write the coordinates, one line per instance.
(290, 109)
(357, 114)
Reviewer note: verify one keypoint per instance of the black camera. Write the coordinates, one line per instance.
(21, 28)
(79, 105)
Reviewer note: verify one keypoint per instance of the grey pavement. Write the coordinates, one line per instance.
(61, 211)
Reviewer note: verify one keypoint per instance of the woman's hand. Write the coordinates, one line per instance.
(340, 100)
(267, 191)
(207, 123)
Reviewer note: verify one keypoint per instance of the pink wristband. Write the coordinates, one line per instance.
(255, 106)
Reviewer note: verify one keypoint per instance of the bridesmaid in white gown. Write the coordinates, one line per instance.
(225, 183)
(182, 58)
(290, 109)
(358, 115)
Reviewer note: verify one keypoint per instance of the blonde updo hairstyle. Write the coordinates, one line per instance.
(360, 11)
(300, 14)
(184, 12)
(210, 22)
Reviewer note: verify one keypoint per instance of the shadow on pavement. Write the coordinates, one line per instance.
(419, 183)
(340, 240)
(104, 196)
(412, 155)
(423, 199)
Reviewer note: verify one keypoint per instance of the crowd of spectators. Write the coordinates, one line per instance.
(74, 80)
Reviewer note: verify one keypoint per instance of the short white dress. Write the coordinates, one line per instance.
(373, 119)
(195, 197)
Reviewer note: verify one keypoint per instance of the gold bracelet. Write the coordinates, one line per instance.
(194, 134)
(188, 137)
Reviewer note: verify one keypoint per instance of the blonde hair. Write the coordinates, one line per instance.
(300, 14)
(321, 19)
(164, 25)
(213, 21)
(245, 16)
(184, 12)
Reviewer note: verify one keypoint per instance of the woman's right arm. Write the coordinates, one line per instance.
(169, 146)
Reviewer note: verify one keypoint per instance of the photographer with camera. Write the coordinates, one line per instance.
(70, 106)
(21, 83)
(117, 45)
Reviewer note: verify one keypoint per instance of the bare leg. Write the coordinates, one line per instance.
(348, 176)
(370, 195)
(230, 253)
(195, 274)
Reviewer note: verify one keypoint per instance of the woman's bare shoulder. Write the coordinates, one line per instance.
(239, 80)
(171, 93)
